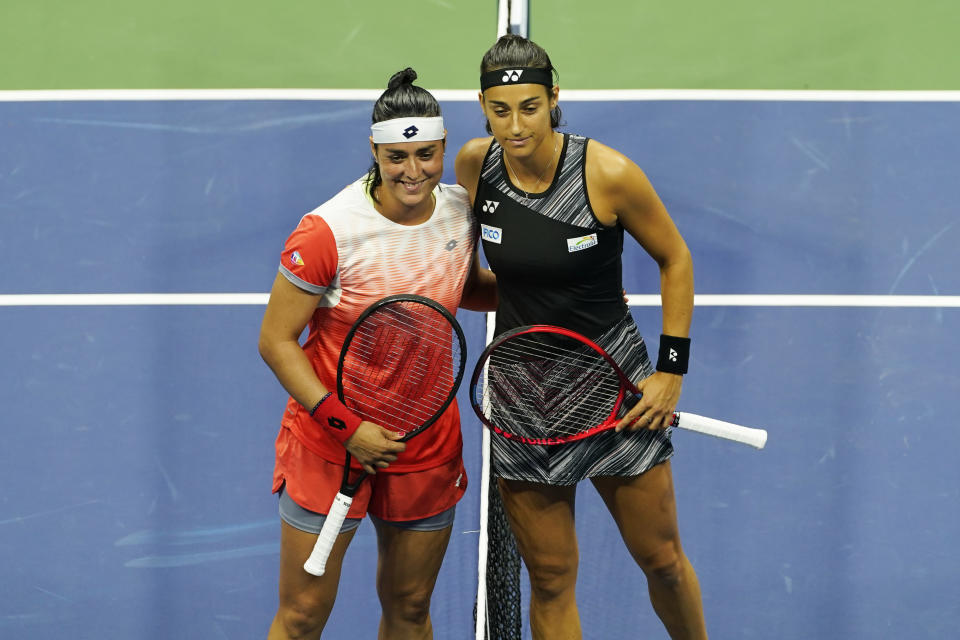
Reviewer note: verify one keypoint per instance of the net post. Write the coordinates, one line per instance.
(513, 16)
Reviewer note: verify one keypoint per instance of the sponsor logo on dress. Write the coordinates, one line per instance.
(295, 259)
(579, 244)
(489, 206)
(491, 234)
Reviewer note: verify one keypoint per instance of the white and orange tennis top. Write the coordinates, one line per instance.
(351, 256)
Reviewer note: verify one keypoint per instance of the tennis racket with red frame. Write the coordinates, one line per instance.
(400, 367)
(541, 384)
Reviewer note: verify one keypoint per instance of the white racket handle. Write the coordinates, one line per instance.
(727, 430)
(316, 564)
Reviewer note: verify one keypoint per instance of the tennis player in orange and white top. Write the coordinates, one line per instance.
(396, 230)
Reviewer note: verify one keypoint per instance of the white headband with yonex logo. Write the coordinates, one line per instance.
(407, 130)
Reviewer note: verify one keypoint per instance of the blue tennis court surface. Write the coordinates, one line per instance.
(137, 449)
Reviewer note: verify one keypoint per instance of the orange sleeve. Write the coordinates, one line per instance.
(310, 257)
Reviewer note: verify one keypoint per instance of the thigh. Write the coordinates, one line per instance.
(542, 519)
(645, 511)
(412, 513)
(299, 590)
(409, 560)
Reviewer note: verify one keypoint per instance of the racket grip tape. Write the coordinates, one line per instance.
(720, 429)
(316, 564)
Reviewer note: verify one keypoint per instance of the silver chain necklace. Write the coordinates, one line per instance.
(556, 143)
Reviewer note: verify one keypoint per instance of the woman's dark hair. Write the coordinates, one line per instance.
(511, 51)
(402, 99)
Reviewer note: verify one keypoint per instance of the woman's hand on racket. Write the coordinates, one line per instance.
(374, 447)
(660, 394)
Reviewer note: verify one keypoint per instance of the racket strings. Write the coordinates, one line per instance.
(415, 371)
(400, 366)
(587, 363)
(540, 390)
(568, 366)
(415, 359)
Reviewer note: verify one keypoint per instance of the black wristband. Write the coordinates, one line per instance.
(674, 354)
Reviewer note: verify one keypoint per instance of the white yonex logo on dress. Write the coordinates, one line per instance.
(410, 131)
(490, 206)
(672, 355)
(491, 234)
(511, 75)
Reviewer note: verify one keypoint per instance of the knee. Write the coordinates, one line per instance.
(553, 577)
(665, 566)
(411, 606)
(302, 619)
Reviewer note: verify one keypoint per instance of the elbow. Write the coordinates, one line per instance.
(265, 348)
(680, 259)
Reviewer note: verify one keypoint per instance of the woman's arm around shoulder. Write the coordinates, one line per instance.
(469, 163)
(480, 290)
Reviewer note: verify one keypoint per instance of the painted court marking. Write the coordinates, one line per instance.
(644, 300)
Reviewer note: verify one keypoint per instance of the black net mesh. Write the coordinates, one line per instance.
(503, 573)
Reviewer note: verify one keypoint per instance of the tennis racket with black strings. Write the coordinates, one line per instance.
(400, 367)
(542, 384)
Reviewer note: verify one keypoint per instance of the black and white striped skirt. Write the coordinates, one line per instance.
(608, 453)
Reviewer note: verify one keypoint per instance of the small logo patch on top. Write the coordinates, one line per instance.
(579, 244)
(295, 259)
(491, 234)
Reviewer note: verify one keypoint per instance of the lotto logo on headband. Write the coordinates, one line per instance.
(403, 129)
(512, 75)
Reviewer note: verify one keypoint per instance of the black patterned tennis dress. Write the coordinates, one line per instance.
(557, 264)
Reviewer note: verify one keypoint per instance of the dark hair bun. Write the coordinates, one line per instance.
(407, 76)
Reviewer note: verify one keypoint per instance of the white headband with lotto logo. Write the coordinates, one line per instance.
(407, 130)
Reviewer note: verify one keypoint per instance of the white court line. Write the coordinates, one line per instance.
(636, 300)
(805, 300)
(470, 95)
(132, 299)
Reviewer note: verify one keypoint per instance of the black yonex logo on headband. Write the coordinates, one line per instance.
(511, 75)
(410, 131)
